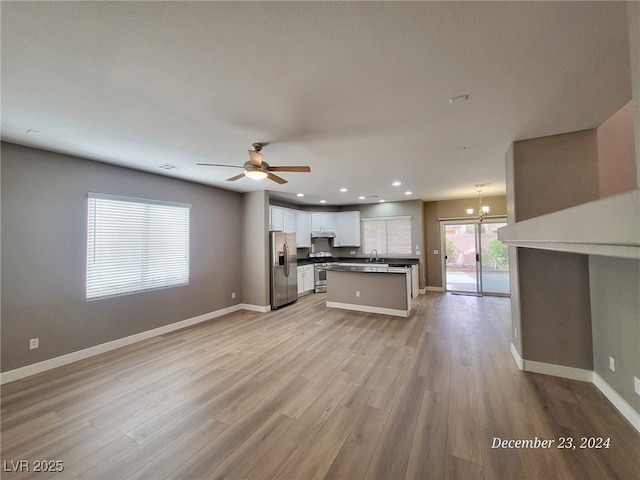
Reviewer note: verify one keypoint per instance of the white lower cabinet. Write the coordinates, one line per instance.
(300, 280)
(306, 279)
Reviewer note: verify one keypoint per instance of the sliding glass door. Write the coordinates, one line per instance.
(461, 257)
(494, 260)
(476, 262)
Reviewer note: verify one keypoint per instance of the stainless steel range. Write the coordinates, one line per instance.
(320, 276)
(321, 260)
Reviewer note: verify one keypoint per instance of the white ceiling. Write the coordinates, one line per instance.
(359, 91)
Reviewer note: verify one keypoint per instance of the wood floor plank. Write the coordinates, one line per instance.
(250, 452)
(463, 439)
(428, 455)
(392, 455)
(320, 453)
(354, 457)
(458, 468)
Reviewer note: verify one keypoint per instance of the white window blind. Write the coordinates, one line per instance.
(387, 235)
(135, 245)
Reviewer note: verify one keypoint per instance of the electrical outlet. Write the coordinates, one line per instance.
(435, 252)
(233, 294)
(612, 364)
(636, 384)
(358, 293)
(352, 252)
(34, 343)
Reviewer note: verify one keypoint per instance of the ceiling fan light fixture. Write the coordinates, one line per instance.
(255, 174)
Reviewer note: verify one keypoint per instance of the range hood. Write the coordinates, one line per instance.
(325, 234)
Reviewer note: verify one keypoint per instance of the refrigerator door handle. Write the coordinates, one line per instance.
(286, 260)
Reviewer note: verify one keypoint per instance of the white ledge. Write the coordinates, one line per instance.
(608, 227)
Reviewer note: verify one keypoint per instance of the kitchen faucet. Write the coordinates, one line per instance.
(372, 255)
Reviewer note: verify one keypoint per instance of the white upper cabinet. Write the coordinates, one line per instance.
(282, 219)
(289, 220)
(303, 229)
(346, 225)
(322, 221)
(347, 228)
(276, 218)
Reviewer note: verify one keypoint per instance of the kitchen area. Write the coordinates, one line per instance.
(328, 249)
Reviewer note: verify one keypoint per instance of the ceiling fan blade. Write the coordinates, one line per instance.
(255, 158)
(218, 165)
(303, 169)
(276, 178)
(237, 177)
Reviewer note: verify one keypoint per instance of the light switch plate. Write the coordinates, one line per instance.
(636, 383)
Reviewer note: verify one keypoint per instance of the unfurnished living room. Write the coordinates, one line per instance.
(333, 240)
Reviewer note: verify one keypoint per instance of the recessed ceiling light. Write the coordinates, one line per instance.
(299, 194)
(381, 200)
(323, 201)
(343, 190)
(33, 132)
(361, 197)
(396, 183)
(408, 192)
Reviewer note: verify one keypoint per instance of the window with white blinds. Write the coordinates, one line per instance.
(387, 235)
(135, 245)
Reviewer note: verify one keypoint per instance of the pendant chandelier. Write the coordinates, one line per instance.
(483, 210)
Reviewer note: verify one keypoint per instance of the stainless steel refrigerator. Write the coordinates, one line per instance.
(284, 269)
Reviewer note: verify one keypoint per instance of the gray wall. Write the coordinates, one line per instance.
(633, 13)
(555, 311)
(255, 248)
(433, 211)
(44, 208)
(616, 153)
(615, 307)
(556, 172)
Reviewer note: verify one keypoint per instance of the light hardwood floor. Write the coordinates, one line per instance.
(308, 392)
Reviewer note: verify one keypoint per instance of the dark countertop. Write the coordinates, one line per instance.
(391, 261)
(369, 269)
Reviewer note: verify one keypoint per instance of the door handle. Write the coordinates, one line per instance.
(286, 260)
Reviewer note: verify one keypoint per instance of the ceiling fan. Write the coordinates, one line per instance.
(257, 169)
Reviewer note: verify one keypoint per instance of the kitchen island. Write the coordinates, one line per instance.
(370, 288)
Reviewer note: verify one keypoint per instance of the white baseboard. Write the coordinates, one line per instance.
(583, 375)
(52, 363)
(433, 289)
(620, 403)
(255, 308)
(571, 373)
(368, 309)
(517, 357)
